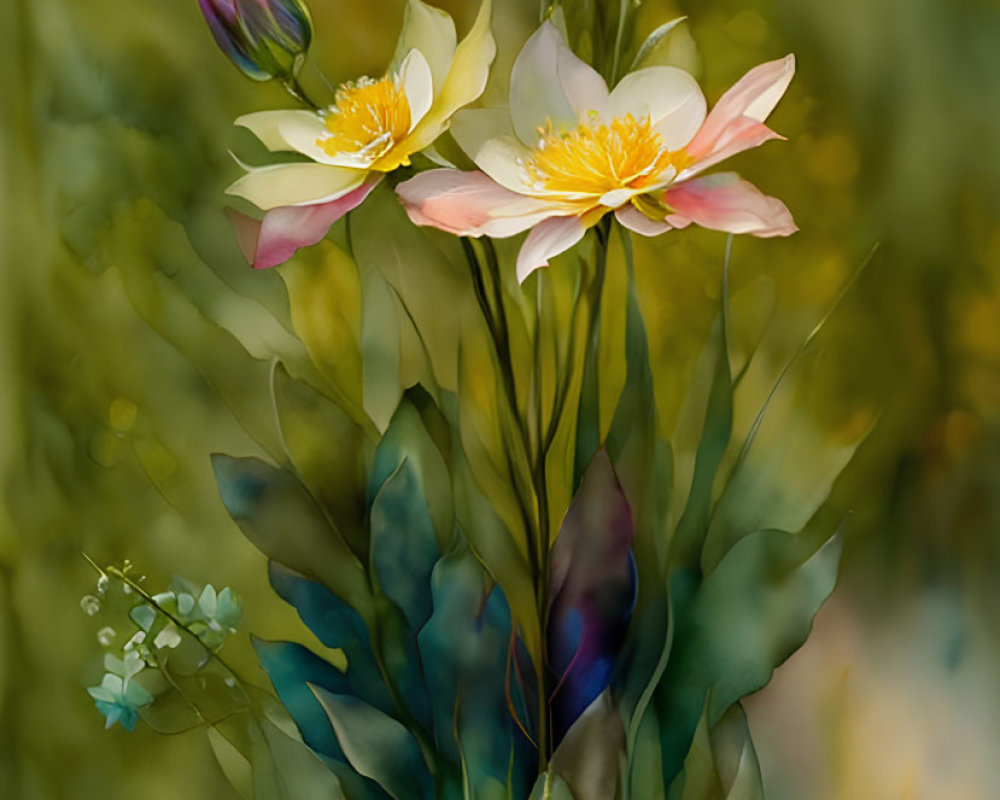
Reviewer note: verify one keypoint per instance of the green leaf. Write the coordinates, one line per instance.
(721, 764)
(403, 545)
(418, 435)
(379, 349)
(377, 746)
(235, 766)
(645, 55)
(736, 626)
(707, 418)
(302, 774)
(589, 757)
(325, 298)
(550, 786)
(279, 517)
(422, 268)
(328, 451)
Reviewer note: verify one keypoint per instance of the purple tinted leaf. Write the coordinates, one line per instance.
(592, 590)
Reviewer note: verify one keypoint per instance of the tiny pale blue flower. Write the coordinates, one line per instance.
(228, 609)
(120, 699)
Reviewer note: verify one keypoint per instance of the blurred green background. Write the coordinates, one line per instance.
(135, 341)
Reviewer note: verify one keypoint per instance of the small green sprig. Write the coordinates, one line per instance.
(162, 622)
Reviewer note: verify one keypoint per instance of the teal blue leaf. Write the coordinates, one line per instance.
(397, 646)
(337, 626)
(418, 434)
(404, 546)
(736, 627)
(451, 640)
(278, 516)
(292, 668)
(377, 746)
(464, 648)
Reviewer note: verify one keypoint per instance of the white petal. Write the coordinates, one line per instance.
(418, 85)
(616, 197)
(633, 219)
(465, 81)
(501, 158)
(672, 99)
(473, 127)
(303, 132)
(535, 98)
(296, 184)
(266, 126)
(431, 31)
(546, 240)
(581, 83)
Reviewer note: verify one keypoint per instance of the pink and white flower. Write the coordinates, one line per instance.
(567, 151)
(375, 126)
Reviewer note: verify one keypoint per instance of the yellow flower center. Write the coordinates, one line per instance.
(595, 159)
(369, 117)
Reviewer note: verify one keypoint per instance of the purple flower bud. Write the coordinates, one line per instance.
(265, 38)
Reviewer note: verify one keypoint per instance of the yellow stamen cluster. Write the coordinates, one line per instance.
(594, 159)
(369, 117)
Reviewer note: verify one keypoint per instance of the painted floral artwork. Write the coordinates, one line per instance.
(500, 400)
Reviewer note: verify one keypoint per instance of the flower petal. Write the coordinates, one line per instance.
(633, 219)
(473, 127)
(418, 85)
(535, 98)
(501, 158)
(670, 96)
(547, 239)
(430, 31)
(273, 240)
(296, 184)
(302, 132)
(742, 134)
(726, 202)
(465, 82)
(470, 204)
(583, 85)
(266, 126)
(752, 97)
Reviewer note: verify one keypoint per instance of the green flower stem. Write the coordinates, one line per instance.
(496, 323)
(296, 90)
(623, 10)
(537, 528)
(537, 442)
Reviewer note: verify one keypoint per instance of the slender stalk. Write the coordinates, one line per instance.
(623, 8)
(536, 440)
(538, 528)
(296, 90)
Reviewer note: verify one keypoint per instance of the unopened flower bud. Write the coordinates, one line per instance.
(265, 38)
